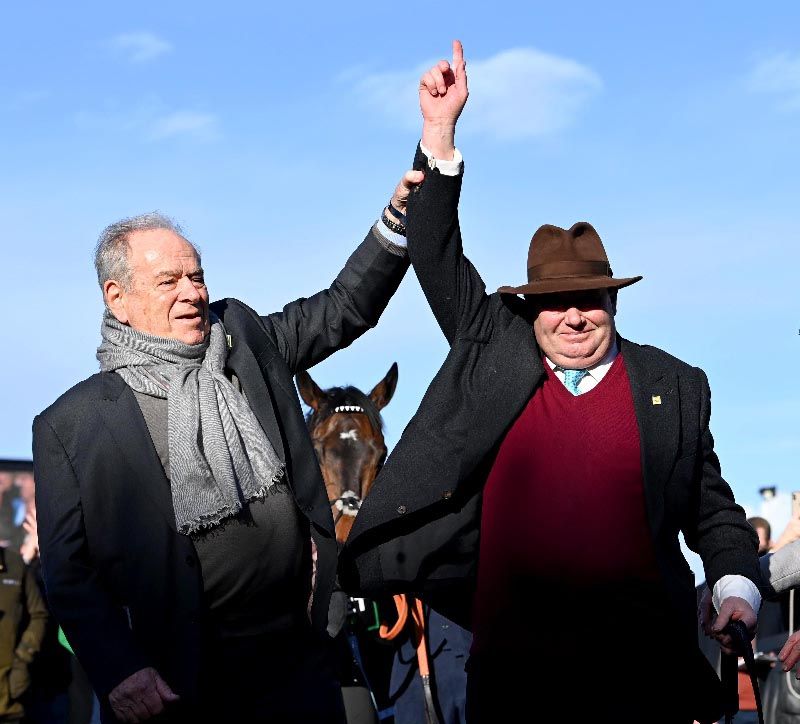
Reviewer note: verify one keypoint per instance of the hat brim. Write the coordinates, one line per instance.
(574, 284)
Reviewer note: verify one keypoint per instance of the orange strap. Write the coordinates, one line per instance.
(401, 603)
(418, 618)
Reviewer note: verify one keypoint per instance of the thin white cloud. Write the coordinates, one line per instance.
(151, 121)
(202, 126)
(777, 75)
(514, 94)
(140, 47)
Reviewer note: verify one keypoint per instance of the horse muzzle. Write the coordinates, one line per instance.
(348, 503)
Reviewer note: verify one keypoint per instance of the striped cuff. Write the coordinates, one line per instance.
(393, 243)
(388, 235)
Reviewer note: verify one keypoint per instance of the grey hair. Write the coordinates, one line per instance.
(111, 252)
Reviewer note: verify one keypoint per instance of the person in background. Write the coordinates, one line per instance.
(7, 508)
(779, 563)
(780, 572)
(47, 701)
(788, 535)
(764, 532)
(23, 621)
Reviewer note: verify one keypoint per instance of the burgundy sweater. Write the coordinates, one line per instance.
(563, 503)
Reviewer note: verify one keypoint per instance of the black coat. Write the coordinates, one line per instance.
(418, 530)
(124, 585)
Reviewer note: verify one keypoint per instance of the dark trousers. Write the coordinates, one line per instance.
(614, 650)
(579, 686)
(286, 679)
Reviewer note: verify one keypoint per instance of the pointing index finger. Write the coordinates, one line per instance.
(458, 53)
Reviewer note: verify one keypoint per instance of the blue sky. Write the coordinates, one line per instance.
(276, 134)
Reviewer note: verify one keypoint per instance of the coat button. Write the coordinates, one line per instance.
(447, 494)
(401, 509)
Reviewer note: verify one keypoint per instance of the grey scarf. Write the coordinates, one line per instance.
(219, 456)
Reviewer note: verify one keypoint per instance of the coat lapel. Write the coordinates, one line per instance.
(657, 405)
(261, 398)
(513, 373)
(125, 424)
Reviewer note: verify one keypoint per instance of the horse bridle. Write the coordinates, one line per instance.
(348, 503)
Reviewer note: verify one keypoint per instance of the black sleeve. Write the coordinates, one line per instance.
(309, 330)
(718, 530)
(452, 285)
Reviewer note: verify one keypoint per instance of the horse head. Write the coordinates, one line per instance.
(347, 431)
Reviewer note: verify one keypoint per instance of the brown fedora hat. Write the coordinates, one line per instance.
(567, 260)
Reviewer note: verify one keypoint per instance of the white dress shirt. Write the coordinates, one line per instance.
(594, 373)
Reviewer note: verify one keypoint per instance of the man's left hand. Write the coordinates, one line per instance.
(732, 608)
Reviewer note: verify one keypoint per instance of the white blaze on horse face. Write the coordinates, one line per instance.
(350, 435)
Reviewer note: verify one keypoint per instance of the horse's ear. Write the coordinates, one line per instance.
(309, 390)
(382, 393)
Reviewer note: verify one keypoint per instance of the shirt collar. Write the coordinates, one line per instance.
(599, 370)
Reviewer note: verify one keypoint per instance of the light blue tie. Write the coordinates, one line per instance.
(572, 379)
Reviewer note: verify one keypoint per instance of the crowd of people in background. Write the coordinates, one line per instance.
(41, 681)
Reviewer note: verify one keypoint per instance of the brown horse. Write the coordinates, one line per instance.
(347, 431)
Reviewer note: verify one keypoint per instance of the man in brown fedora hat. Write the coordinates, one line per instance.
(564, 432)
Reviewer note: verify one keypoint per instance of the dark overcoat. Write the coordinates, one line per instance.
(418, 530)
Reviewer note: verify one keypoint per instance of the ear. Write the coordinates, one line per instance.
(114, 295)
(383, 392)
(309, 390)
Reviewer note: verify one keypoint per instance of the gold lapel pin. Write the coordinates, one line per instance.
(656, 399)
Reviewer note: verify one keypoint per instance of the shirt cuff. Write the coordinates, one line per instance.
(390, 236)
(740, 586)
(446, 168)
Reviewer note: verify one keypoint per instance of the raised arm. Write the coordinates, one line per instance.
(310, 329)
(451, 284)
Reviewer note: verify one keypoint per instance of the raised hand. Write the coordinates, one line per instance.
(443, 92)
(404, 188)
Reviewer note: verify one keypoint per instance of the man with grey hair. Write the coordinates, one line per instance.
(186, 538)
